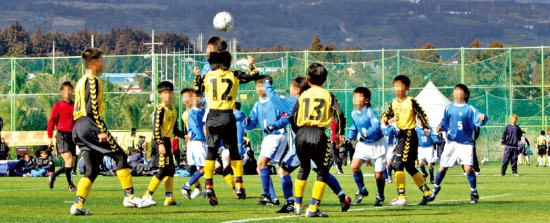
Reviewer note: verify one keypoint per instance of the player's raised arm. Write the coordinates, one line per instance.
(245, 77)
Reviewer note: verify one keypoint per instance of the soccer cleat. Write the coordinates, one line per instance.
(359, 197)
(275, 202)
(398, 202)
(186, 191)
(298, 209)
(80, 211)
(314, 214)
(346, 203)
(211, 196)
(434, 193)
(379, 200)
(425, 200)
(515, 174)
(71, 188)
(389, 180)
(171, 202)
(287, 207)
(51, 180)
(474, 197)
(197, 192)
(240, 193)
(147, 201)
(131, 202)
(264, 200)
(339, 172)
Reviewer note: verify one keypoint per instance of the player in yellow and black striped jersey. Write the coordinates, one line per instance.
(91, 135)
(164, 130)
(312, 114)
(404, 110)
(220, 86)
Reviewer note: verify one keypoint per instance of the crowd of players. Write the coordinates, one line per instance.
(214, 127)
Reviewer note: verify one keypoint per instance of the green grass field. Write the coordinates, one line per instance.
(503, 199)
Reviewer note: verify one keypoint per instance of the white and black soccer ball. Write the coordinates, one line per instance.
(223, 22)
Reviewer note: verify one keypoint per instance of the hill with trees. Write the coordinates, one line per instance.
(262, 24)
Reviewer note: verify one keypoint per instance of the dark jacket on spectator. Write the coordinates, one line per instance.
(24, 166)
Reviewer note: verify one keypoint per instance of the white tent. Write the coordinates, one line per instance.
(433, 102)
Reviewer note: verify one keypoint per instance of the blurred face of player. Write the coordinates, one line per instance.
(459, 95)
(260, 90)
(96, 65)
(400, 90)
(166, 97)
(186, 98)
(27, 157)
(196, 100)
(294, 91)
(209, 49)
(66, 93)
(513, 119)
(359, 101)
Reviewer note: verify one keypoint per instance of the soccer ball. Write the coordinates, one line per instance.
(223, 22)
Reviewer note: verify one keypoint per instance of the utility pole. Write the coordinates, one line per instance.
(153, 66)
(53, 57)
(93, 40)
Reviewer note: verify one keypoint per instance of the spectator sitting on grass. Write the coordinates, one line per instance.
(44, 164)
(4, 150)
(135, 158)
(25, 165)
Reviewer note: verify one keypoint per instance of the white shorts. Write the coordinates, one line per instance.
(453, 151)
(273, 147)
(390, 152)
(196, 153)
(426, 153)
(375, 152)
(291, 160)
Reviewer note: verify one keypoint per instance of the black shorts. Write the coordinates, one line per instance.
(221, 125)
(541, 152)
(65, 142)
(162, 161)
(407, 147)
(85, 132)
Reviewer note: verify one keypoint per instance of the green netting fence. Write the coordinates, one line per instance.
(502, 81)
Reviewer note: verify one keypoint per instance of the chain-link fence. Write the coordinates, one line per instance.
(502, 81)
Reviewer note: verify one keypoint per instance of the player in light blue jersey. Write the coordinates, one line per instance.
(390, 133)
(273, 123)
(239, 118)
(196, 147)
(459, 121)
(290, 161)
(426, 150)
(371, 145)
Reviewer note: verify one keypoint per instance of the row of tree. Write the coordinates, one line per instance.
(15, 40)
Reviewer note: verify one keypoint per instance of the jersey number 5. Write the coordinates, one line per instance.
(317, 108)
(225, 95)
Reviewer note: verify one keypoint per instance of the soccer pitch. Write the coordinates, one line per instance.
(502, 199)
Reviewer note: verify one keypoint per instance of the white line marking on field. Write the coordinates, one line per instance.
(260, 219)
(362, 209)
